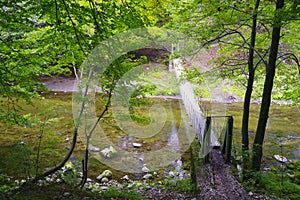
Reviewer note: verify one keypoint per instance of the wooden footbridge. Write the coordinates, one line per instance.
(212, 149)
(203, 124)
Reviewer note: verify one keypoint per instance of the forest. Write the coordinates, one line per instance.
(139, 99)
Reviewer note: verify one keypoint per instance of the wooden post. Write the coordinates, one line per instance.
(229, 130)
(206, 140)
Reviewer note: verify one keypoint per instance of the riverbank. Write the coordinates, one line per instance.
(67, 84)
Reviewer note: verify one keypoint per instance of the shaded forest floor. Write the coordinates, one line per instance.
(216, 183)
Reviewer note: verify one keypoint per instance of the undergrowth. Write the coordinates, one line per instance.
(282, 181)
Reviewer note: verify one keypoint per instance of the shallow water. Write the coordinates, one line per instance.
(169, 146)
(283, 127)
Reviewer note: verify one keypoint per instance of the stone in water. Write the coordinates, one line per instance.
(136, 145)
(281, 158)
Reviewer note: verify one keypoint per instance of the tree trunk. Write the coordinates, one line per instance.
(268, 86)
(247, 98)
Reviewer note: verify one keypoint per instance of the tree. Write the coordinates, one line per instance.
(268, 86)
(48, 38)
(249, 89)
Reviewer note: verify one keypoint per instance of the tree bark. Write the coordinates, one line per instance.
(247, 97)
(268, 86)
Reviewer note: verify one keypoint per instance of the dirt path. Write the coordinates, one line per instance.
(216, 182)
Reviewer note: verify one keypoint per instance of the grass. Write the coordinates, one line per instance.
(162, 82)
(182, 186)
(282, 181)
(115, 193)
(58, 191)
(271, 184)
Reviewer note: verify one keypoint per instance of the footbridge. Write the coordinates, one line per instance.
(211, 151)
(208, 128)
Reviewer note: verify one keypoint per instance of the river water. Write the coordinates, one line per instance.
(283, 126)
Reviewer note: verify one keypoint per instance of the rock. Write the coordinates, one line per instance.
(266, 169)
(171, 174)
(48, 179)
(148, 187)
(68, 165)
(291, 175)
(145, 169)
(250, 194)
(125, 178)
(58, 180)
(88, 180)
(66, 194)
(136, 145)
(104, 180)
(86, 198)
(108, 152)
(281, 158)
(94, 149)
(67, 139)
(147, 176)
(103, 188)
(105, 174)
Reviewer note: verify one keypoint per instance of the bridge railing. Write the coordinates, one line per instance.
(210, 141)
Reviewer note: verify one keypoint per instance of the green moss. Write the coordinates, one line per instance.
(182, 186)
(115, 193)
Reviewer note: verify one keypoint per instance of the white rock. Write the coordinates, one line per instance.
(250, 193)
(94, 149)
(88, 180)
(103, 188)
(108, 152)
(105, 174)
(66, 194)
(281, 158)
(147, 176)
(136, 145)
(104, 180)
(171, 174)
(48, 179)
(125, 178)
(145, 169)
(58, 180)
(290, 175)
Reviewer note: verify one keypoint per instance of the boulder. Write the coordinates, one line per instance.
(108, 152)
(105, 176)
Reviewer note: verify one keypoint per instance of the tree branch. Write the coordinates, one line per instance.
(74, 27)
(289, 56)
